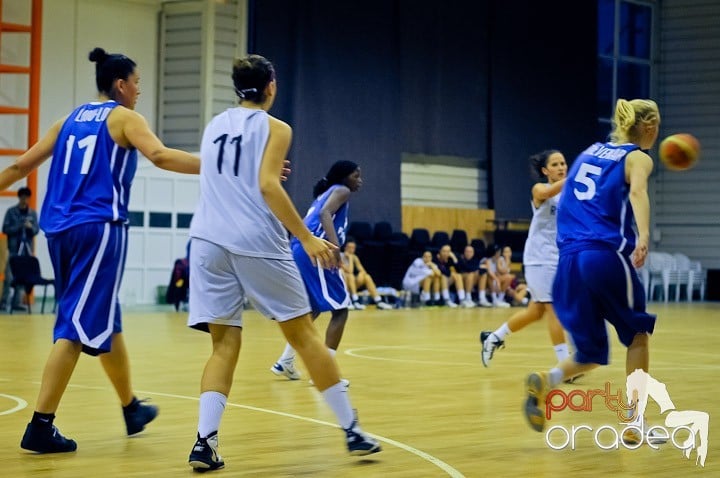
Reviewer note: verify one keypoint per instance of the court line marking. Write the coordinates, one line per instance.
(425, 456)
(20, 404)
(356, 352)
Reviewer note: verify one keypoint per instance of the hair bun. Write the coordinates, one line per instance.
(98, 55)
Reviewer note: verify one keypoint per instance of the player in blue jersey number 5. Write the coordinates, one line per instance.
(606, 189)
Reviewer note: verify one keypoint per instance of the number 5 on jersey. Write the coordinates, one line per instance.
(583, 177)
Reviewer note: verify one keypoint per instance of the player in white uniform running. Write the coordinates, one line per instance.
(540, 258)
(240, 249)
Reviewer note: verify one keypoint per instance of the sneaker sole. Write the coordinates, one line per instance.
(485, 362)
(483, 337)
(372, 450)
(282, 372)
(630, 439)
(48, 452)
(134, 432)
(201, 466)
(633, 439)
(535, 416)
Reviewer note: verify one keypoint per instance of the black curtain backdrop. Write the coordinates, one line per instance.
(490, 81)
(543, 91)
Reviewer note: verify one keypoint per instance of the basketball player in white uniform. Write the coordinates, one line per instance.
(240, 250)
(540, 258)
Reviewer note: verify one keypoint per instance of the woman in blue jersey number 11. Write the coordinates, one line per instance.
(85, 219)
(596, 280)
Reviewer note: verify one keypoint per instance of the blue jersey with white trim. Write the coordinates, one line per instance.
(594, 208)
(90, 175)
(340, 218)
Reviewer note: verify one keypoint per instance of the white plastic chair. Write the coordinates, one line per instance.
(696, 280)
(659, 265)
(680, 275)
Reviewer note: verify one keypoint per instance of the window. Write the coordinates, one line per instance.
(160, 219)
(625, 55)
(183, 220)
(136, 218)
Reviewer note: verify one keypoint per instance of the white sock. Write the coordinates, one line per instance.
(424, 296)
(561, 352)
(501, 296)
(436, 295)
(461, 295)
(338, 400)
(288, 354)
(481, 295)
(377, 299)
(503, 331)
(332, 352)
(355, 298)
(212, 406)
(446, 294)
(556, 376)
(495, 297)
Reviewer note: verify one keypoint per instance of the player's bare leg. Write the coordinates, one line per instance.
(305, 339)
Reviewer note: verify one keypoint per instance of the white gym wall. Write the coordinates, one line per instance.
(71, 28)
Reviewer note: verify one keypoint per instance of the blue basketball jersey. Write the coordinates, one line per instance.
(326, 287)
(594, 209)
(90, 175)
(340, 219)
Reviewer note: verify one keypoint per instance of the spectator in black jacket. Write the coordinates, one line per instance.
(20, 226)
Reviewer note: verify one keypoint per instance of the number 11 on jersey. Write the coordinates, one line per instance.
(222, 139)
(88, 144)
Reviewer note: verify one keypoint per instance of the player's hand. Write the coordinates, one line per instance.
(285, 171)
(321, 252)
(639, 254)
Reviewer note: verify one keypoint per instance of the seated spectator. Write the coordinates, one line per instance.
(423, 275)
(447, 263)
(469, 266)
(357, 277)
(515, 293)
(504, 264)
(177, 291)
(498, 278)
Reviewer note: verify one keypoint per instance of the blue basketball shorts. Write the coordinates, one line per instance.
(592, 286)
(88, 260)
(325, 287)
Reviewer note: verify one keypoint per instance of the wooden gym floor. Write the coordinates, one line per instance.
(416, 379)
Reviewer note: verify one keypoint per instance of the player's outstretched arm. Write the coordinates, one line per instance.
(32, 158)
(138, 133)
(542, 192)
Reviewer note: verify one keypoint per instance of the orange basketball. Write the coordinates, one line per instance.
(679, 152)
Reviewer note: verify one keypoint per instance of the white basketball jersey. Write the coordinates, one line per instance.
(417, 272)
(541, 245)
(232, 212)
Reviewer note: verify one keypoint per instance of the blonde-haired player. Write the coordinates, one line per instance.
(599, 250)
